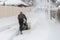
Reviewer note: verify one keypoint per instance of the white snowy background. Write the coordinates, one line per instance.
(11, 2)
(42, 27)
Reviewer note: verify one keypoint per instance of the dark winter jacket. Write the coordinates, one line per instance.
(21, 16)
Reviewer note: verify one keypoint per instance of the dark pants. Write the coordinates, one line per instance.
(21, 24)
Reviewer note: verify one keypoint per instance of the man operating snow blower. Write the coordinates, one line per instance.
(22, 22)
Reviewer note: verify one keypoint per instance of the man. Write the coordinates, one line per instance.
(22, 21)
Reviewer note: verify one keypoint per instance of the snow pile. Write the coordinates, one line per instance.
(14, 2)
(1, 2)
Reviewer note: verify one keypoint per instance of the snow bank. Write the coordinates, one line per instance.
(1, 3)
(14, 2)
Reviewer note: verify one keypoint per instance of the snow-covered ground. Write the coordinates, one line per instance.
(42, 27)
(6, 23)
